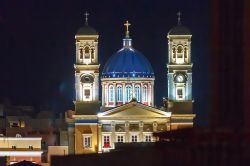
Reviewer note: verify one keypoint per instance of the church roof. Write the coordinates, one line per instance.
(179, 30)
(86, 30)
(127, 62)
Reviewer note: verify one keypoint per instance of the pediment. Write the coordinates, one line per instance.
(134, 109)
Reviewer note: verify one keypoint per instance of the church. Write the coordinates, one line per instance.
(125, 111)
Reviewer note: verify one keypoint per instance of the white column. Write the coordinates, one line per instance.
(126, 131)
(152, 93)
(107, 94)
(114, 94)
(133, 90)
(141, 90)
(96, 52)
(113, 134)
(77, 87)
(96, 87)
(99, 138)
(123, 92)
(141, 132)
(92, 91)
(77, 52)
(149, 94)
(102, 94)
(82, 92)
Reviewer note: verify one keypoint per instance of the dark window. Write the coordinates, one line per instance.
(179, 49)
(81, 53)
(87, 55)
(179, 93)
(87, 93)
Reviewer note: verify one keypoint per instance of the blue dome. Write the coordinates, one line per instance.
(127, 62)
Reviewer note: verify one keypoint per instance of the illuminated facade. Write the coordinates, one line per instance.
(126, 112)
(21, 148)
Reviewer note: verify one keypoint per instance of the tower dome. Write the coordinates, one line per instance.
(179, 29)
(127, 62)
(86, 29)
(126, 76)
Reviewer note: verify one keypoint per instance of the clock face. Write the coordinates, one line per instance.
(180, 78)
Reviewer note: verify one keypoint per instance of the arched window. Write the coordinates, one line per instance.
(145, 94)
(86, 51)
(128, 93)
(179, 49)
(119, 93)
(180, 54)
(106, 93)
(174, 53)
(92, 53)
(137, 93)
(111, 93)
(81, 53)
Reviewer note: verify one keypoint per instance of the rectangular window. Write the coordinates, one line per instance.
(148, 138)
(87, 93)
(180, 93)
(87, 141)
(106, 141)
(31, 147)
(134, 138)
(120, 138)
(14, 124)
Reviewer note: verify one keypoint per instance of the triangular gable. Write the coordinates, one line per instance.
(134, 109)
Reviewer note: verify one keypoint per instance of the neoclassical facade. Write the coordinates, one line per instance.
(126, 113)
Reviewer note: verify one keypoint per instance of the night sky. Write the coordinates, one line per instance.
(37, 45)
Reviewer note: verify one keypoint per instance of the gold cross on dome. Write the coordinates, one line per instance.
(127, 24)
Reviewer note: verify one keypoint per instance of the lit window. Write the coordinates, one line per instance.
(134, 138)
(111, 93)
(87, 141)
(120, 138)
(137, 93)
(119, 93)
(128, 93)
(106, 141)
(87, 54)
(14, 124)
(180, 54)
(106, 93)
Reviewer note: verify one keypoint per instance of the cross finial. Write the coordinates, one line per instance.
(127, 24)
(179, 18)
(86, 17)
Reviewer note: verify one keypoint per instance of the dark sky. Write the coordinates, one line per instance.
(37, 46)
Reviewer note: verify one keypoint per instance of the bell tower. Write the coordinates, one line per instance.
(179, 68)
(86, 67)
